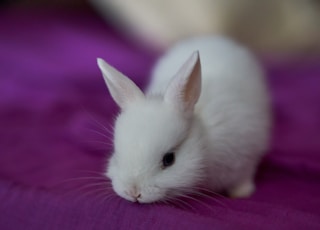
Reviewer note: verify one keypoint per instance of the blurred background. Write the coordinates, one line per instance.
(286, 27)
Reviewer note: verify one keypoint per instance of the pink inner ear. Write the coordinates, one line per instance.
(184, 89)
(127, 91)
(121, 88)
(124, 91)
(192, 89)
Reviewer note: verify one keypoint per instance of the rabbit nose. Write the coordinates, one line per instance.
(134, 193)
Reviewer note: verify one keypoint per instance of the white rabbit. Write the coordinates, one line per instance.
(186, 133)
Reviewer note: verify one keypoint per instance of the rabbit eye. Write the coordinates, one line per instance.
(168, 159)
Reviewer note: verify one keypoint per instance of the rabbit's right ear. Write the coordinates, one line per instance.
(121, 88)
(184, 90)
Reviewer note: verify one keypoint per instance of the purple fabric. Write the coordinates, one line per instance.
(53, 101)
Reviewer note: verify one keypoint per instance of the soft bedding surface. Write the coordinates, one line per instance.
(54, 104)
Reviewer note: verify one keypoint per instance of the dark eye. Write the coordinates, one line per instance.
(168, 159)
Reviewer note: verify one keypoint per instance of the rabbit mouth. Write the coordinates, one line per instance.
(141, 195)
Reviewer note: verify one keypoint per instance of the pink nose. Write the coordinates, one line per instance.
(134, 193)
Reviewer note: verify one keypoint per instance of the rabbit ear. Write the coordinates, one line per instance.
(185, 88)
(121, 88)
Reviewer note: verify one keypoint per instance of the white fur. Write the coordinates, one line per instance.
(218, 146)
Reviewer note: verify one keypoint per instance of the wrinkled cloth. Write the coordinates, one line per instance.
(56, 119)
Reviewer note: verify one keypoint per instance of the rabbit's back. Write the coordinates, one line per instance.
(233, 106)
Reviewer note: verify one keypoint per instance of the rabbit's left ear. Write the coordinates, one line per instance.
(185, 88)
(121, 88)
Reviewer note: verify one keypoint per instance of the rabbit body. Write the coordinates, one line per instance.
(202, 124)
